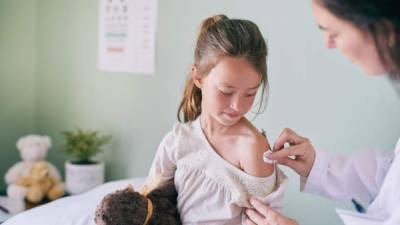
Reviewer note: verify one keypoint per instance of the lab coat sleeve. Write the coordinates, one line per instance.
(344, 178)
(394, 218)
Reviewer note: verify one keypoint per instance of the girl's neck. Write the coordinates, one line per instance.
(212, 127)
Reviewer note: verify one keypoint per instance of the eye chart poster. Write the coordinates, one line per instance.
(127, 35)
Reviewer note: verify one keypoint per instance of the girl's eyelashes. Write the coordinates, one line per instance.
(226, 93)
(251, 94)
(229, 93)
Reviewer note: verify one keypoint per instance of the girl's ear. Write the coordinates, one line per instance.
(197, 78)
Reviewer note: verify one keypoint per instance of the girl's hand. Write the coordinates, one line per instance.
(264, 215)
(300, 148)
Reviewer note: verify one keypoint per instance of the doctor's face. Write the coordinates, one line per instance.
(357, 45)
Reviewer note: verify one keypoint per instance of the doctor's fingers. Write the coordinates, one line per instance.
(288, 136)
(301, 168)
(268, 217)
(248, 221)
(298, 151)
(303, 160)
(254, 218)
(259, 206)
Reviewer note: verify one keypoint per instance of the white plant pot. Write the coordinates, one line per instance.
(82, 178)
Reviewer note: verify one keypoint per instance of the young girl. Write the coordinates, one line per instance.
(216, 155)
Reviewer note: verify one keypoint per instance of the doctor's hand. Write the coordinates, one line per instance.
(262, 214)
(299, 155)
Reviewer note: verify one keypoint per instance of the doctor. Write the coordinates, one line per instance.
(368, 33)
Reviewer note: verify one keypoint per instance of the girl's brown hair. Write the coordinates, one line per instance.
(221, 37)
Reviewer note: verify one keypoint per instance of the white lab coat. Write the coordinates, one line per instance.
(369, 177)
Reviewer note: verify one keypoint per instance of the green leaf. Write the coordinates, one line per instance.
(82, 145)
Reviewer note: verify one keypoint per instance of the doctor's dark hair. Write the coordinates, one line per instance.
(221, 37)
(380, 18)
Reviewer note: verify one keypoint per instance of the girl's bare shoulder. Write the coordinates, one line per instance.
(252, 146)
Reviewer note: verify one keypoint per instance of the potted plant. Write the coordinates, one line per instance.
(83, 173)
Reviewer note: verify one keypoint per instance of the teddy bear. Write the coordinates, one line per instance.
(151, 206)
(40, 184)
(33, 149)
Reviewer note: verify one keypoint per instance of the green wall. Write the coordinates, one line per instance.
(17, 77)
(50, 81)
(136, 109)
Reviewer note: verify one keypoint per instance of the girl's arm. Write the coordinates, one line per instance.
(251, 160)
(164, 163)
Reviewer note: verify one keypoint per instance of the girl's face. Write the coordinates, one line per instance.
(228, 91)
(355, 44)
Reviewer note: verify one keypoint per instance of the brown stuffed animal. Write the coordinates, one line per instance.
(128, 207)
(40, 184)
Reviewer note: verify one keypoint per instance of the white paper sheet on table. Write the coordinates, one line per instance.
(127, 34)
(4, 202)
(71, 210)
(355, 218)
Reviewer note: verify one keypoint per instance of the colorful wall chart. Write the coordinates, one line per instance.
(127, 34)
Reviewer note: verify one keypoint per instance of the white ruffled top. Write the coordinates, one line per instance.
(210, 189)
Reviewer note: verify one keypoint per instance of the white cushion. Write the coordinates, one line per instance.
(72, 210)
